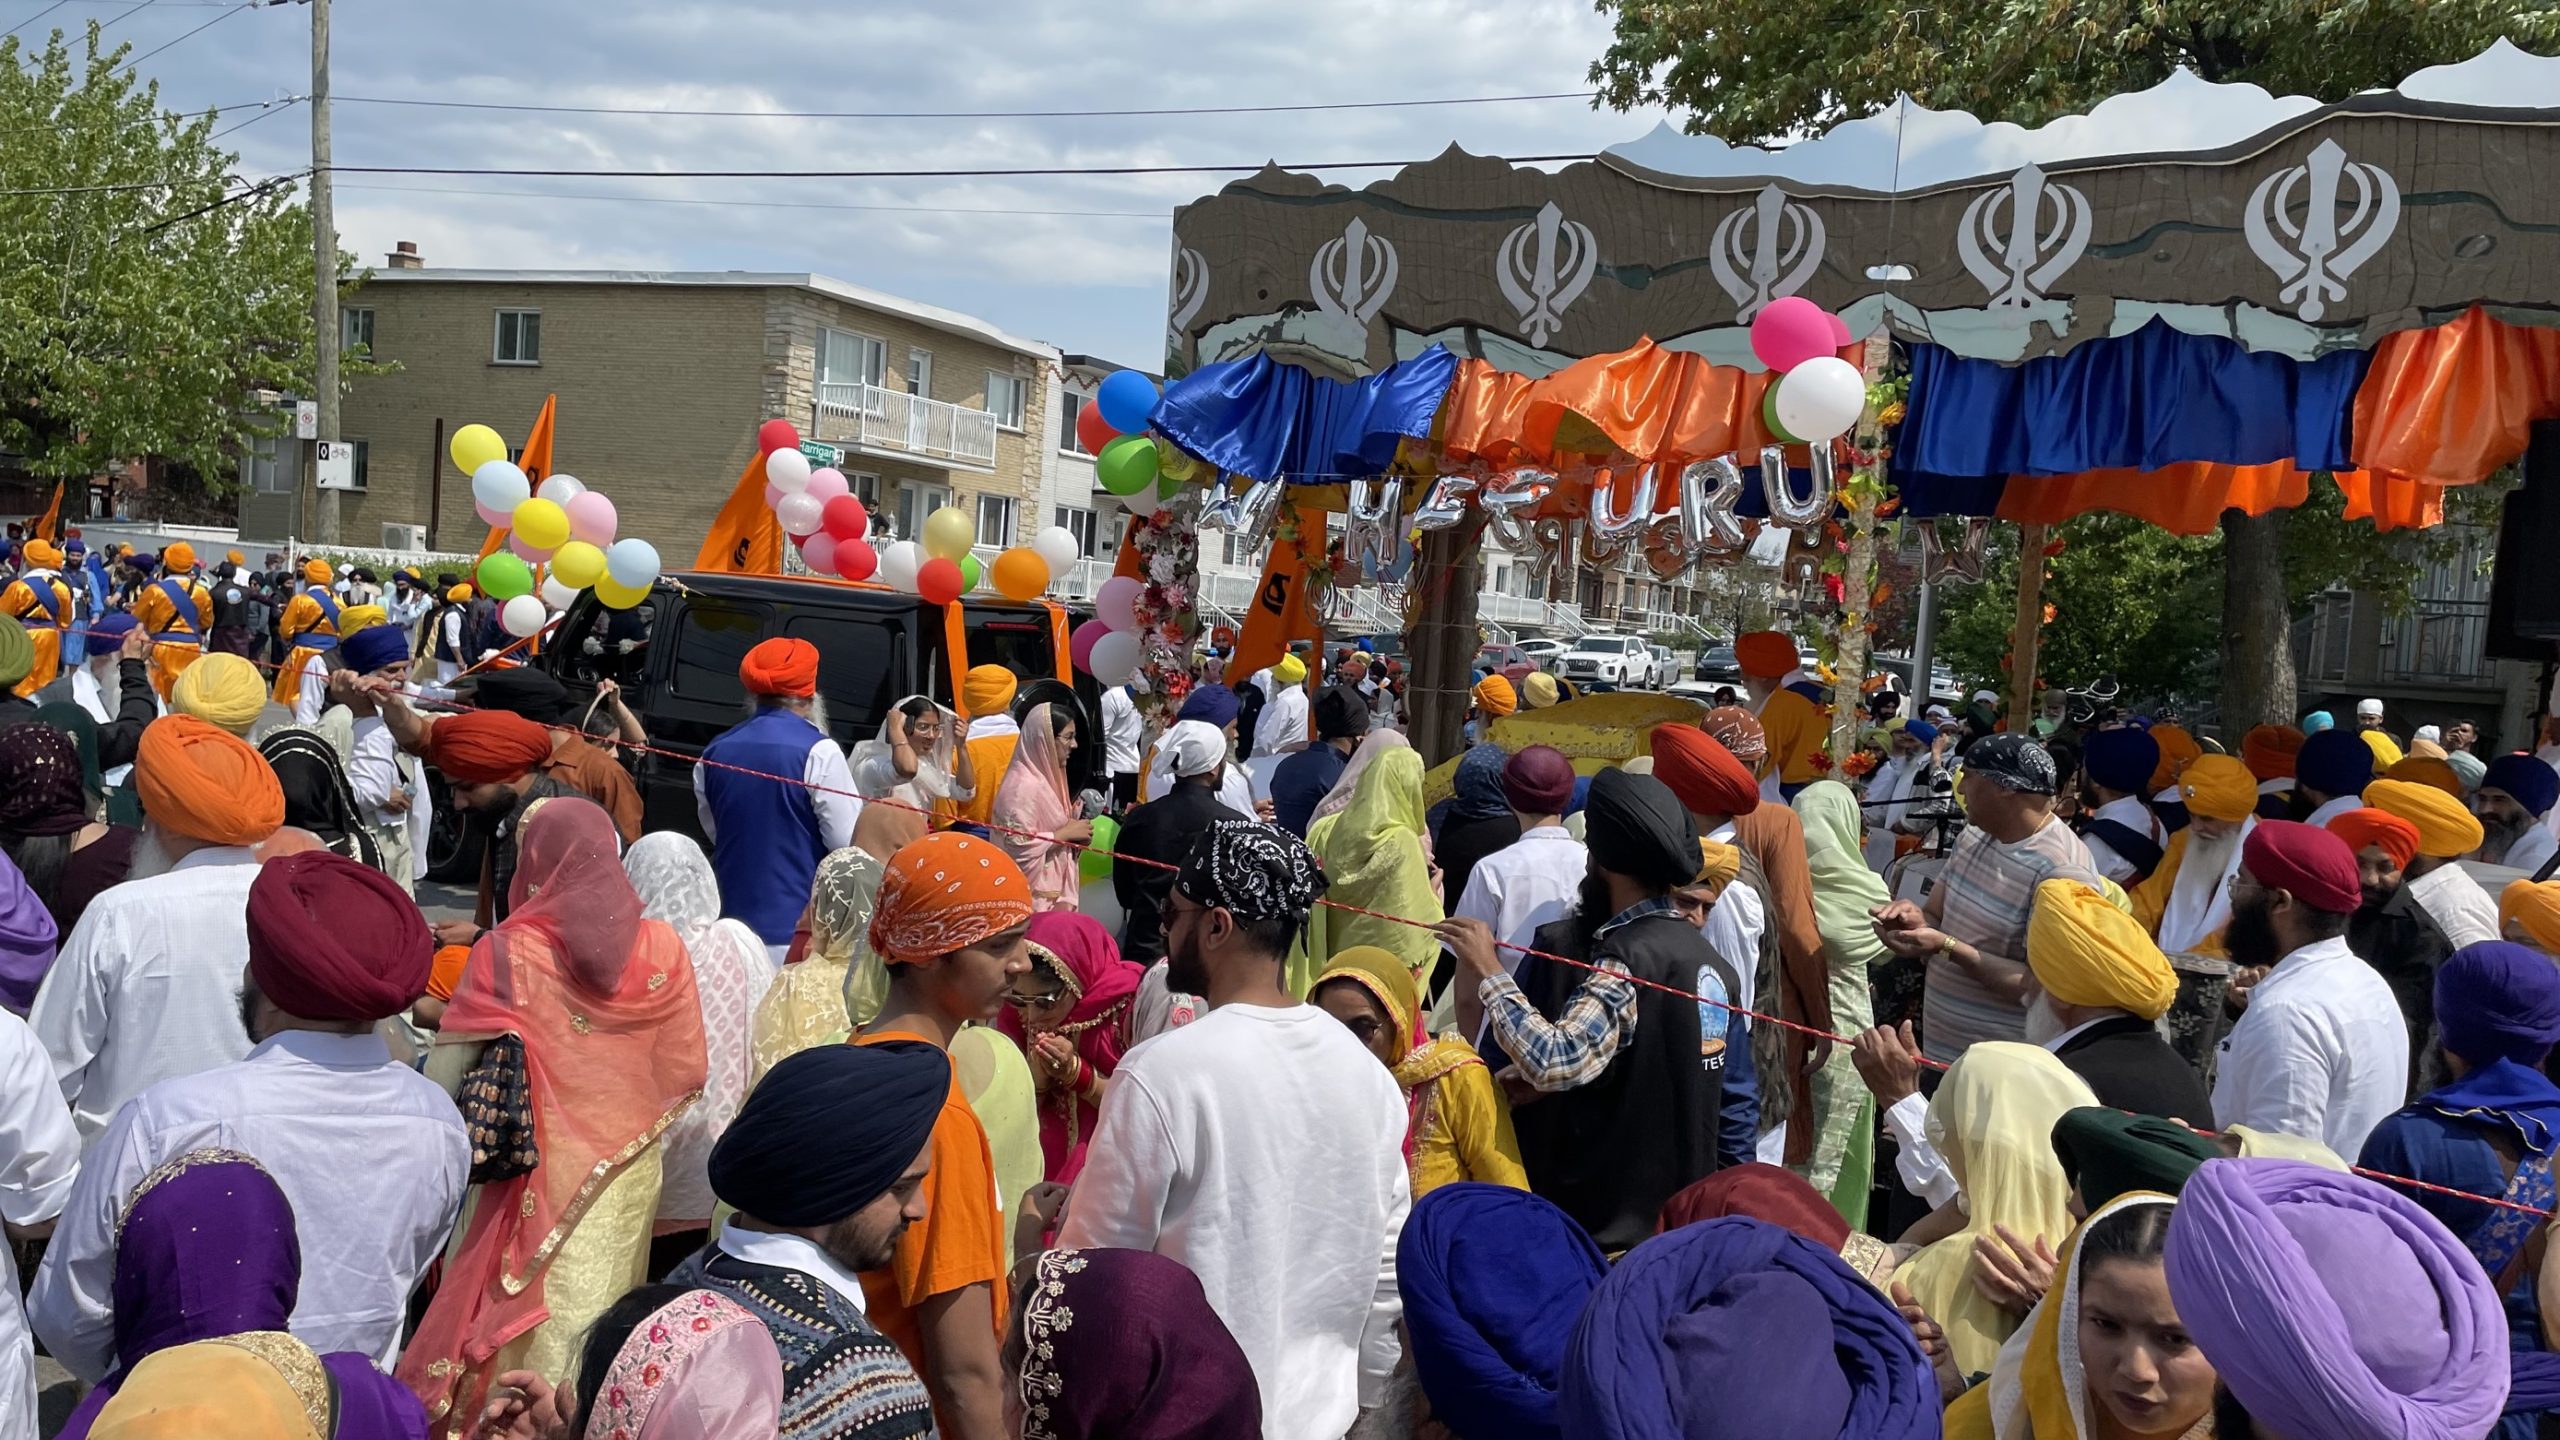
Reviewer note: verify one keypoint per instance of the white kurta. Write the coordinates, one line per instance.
(372, 1154)
(2456, 902)
(378, 770)
(2321, 1053)
(2531, 848)
(39, 1159)
(147, 987)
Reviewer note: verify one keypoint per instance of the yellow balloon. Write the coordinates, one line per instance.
(1172, 464)
(619, 597)
(577, 564)
(474, 446)
(541, 523)
(948, 533)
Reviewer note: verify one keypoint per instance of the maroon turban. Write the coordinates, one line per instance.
(331, 939)
(2314, 865)
(486, 747)
(1538, 781)
(1704, 774)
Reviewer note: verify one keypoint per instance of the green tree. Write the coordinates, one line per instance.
(1761, 71)
(147, 291)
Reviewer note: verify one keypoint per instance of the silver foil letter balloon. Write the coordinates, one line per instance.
(1622, 515)
(1508, 499)
(1369, 539)
(1786, 507)
(1444, 504)
(1709, 489)
(1245, 508)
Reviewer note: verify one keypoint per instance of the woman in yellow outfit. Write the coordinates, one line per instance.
(177, 610)
(1461, 1126)
(44, 612)
(310, 626)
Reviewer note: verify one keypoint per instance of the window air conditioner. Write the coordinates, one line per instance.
(404, 537)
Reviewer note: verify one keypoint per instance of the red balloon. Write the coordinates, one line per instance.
(1092, 431)
(939, 582)
(775, 435)
(856, 560)
(844, 518)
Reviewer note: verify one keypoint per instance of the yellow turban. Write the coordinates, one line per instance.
(1719, 864)
(1538, 691)
(1290, 671)
(1495, 696)
(352, 618)
(988, 689)
(222, 690)
(318, 572)
(2219, 787)
(2428, 770)
(2085, 951)
(44, 553)
(178, 558)
(459, 595)
(2534, 909)
(235, 557)
(2446, 827)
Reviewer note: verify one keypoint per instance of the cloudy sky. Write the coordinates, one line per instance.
(1075, 260)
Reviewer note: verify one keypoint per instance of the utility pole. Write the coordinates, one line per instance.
(324, 263)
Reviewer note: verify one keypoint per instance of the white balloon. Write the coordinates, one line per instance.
(801, 514)
(1142, 503)
(1058, 546)
(1115, 658)
(898, 565)
(787, 471)
(559, 488)
(500, 486)
(633, 564)
(556, 594)
(1820, 399)
(523, 615)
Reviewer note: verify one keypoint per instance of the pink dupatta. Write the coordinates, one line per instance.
(1035, 798)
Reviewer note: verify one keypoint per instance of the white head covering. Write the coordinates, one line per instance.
(2368, 707)
(1192, 747)
(875, 768)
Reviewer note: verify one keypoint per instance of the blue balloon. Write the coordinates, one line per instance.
(1127, 398)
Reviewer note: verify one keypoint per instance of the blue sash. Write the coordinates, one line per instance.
(181, 606)
(2137, 849)
(313, 639)
(47, 600)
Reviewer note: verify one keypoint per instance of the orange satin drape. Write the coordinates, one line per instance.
(2183, 499)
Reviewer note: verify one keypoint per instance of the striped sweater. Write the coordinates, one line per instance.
(841, 1378)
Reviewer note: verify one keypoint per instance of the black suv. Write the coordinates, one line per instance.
(676, 658)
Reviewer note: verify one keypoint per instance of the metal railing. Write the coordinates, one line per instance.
(2436, 642)
(877, 418)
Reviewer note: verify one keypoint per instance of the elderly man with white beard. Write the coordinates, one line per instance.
(2186, 904)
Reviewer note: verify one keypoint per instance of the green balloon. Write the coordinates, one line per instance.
(1126, 465)
(1095, 864)
(505, 576)
(970, 573)
(1769, 416)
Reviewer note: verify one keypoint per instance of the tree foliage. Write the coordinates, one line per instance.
(146, 290)
(2129, 599)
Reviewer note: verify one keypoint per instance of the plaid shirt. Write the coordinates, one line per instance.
(1598, 1022)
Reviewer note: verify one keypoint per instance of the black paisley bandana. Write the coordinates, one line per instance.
(2013, 762)
(1251, 870)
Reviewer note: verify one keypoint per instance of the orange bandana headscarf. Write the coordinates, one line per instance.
(206, 783)
(946, 892)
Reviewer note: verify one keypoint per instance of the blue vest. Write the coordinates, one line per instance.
(768, 848)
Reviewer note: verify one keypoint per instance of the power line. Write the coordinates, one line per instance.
(30, 20)
(959, 114)
(266, 114)
(979, 174)
(108, 25)
(261, 188)
(227, 13)
(756, 204)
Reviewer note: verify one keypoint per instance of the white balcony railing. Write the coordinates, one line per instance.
(883, 421)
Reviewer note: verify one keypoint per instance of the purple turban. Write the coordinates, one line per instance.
(2334, 1307)
(2337, 763)
(2498, 1001)
(1214, 703)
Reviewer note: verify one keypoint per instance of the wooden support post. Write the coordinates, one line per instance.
(1441, 639)
(2029, 632)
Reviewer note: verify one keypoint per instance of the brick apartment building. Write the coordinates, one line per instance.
(662, 380)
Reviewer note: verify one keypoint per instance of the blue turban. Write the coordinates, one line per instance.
(113, 625)
(2121, 759)
(1920, 730)
(2337, 763)
(829, 1130)
(1214, 703)
(1476, 787)
(1581, 795)
(2498, 1001)
(2317, 721)
(374, 647)
(1736, 1327)
(2535, 785)
(1493, 1279)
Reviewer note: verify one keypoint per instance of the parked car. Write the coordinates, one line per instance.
(1717, 666)
(1501, 657)
(1542, 653)
(1622, 661)
(1664, 665)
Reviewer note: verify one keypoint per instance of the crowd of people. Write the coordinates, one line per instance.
(1273, 1082)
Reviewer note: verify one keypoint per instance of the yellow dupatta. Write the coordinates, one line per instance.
(1373, 858)
(2038, 1389)
(1457, 1130)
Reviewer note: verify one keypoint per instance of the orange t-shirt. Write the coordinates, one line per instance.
(960, 1240)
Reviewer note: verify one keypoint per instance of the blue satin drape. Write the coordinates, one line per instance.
(1262, 418)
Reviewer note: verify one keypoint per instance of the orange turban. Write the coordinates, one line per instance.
(206, 783)
(780, 666)
(448, 971)
(2218, 787)
(2177, 747)
(1704, 774)
(988, 689)
(235, 557)
(179, 557)
(1495, 696)
(2446, 827)
(1765, 654)
(486, 747)
(943, 893)
(317, 572)
(2534, 909)
(2269, 751)
(2420, 770)
(2368, 826)
(45, 554)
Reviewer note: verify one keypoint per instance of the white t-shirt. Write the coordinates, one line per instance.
(1121, 732)
(2457, 903)
(1264, 1149)
(2321, 1053)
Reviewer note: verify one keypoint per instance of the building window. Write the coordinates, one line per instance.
(995, 520)
(519, 338)
(1006, 396)
(1238, 555)
(845, 358)
(1070, 410)
(916, 501)
(866, 488)
(364, 462)
(355, 331)
(920, 372)
(263, 467)
(1081, 523)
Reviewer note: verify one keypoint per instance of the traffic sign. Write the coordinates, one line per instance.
(334, 464)
(822, 454)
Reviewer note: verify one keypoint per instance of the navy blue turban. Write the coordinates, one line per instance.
(2337, 763)
(1737, 1327)
(2535, 785)
(1214, 703)
(829, 1130)
(374, 647)
(1493, 1279)
(2122, 759)
(113, 626)
(2498, 1001)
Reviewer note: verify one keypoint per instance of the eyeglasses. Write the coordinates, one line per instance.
(1364, 1029)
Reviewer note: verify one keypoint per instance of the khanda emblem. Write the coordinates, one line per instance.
(1961, 564)
(1190, 290)
(1766, 250)
(2047, 228)
(1353, 273)
(1542, 268)
(2315, 254)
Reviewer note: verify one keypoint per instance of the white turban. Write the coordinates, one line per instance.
(1193, 747)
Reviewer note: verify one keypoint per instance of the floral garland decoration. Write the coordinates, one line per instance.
(1168, 547)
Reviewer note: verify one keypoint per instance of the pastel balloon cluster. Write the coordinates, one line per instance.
(1818, 396)
(561, 523)
(1107, 646)
(816, 507)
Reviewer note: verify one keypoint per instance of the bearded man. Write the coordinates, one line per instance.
(2187, 901)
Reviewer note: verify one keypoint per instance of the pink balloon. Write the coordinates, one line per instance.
(1115, 604)
(1841, 339)
(1080, 644)
(491, 517)
(591, 518)
(827, 484)
(855, 560)
(1789, 331)
(820, 551)
(515, 542)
